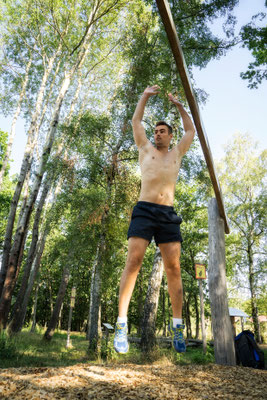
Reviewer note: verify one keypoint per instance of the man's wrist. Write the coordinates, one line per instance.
(179, 105)
(146, 95)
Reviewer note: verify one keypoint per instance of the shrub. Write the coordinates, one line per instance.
(7, 346)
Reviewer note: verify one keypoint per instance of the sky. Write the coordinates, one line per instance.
(231, 106)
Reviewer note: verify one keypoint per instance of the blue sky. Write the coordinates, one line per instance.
(231, 106)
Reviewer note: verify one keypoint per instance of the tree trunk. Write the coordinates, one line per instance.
(91, 295)
(34, 311)
(36, 265)
(25, 168)
(148, 337)
(203, 326)
(95, 299)
(17, 309)
(164, 308)
(169, 311)
(140, 302)
(197, 315)
(12, 261)
(188, 318)
(253, 299)
(34, 272)
(60, 298)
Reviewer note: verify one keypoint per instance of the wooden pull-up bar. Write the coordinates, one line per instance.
(166, 16)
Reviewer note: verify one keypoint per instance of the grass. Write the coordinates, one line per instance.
(28, 349)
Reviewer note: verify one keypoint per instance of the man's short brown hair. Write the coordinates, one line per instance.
(165, 123)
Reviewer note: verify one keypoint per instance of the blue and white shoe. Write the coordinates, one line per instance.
(178, 338)
(120, 340)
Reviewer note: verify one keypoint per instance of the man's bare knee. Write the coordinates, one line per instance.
(134, 261)
(136, 251)
(173, 269)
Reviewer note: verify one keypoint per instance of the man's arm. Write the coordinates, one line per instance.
(138, 129)
(189, 128)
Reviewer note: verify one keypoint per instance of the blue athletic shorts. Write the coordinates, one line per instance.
(160, 221)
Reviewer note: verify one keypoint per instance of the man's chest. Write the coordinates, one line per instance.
(154, 162)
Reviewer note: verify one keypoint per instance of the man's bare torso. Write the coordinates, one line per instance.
(159, 174)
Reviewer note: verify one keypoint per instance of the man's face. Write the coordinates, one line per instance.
(162, 137)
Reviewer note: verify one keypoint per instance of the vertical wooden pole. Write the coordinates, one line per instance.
(242, 323)
(69, 327)
(221, 324)
(72, 303)
(202, 317)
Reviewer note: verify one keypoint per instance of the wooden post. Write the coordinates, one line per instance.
(232, 319)
(221, 324)
(72, 303)
(242, 323)
(200, 270)
(202, 317)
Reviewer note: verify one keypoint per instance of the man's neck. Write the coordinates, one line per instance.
(162, 149)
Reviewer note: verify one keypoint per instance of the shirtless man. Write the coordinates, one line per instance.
(154, 216)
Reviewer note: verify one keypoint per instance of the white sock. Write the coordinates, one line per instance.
(177, 321)
(122, 320)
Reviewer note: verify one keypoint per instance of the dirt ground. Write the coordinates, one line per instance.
(130, 381)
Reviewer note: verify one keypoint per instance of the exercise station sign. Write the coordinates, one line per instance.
(200, 271)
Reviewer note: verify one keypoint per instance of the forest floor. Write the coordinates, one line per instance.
(160, 380)
(35, 369)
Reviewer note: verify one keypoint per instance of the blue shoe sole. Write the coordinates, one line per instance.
(121, 351)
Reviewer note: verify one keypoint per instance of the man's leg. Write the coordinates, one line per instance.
(136, 251)
(171, 258)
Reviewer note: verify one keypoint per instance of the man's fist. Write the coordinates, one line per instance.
(151, 91)
(174, 100)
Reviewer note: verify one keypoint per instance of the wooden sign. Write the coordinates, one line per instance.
(200, 271)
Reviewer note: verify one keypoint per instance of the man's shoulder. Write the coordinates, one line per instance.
(175, 151)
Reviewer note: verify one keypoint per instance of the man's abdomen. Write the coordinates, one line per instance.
(157, 193)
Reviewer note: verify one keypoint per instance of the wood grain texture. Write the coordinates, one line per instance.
(221, 325)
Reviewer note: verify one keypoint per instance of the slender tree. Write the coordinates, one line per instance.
(148, 337)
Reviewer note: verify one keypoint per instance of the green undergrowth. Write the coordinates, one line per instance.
(28, 349)
(31, 350)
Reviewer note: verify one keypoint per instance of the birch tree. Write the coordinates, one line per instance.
(98, 11)
(242, 174)
(148, 336)
(48, 64)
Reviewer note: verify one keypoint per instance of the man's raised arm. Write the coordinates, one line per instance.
(138, 129)
(189, 128)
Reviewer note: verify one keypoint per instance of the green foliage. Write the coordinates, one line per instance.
(242, 174)
(108, 352)
(3, 146)
(8, 349)
(195, 356)
(6, 189)
(255, 39)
